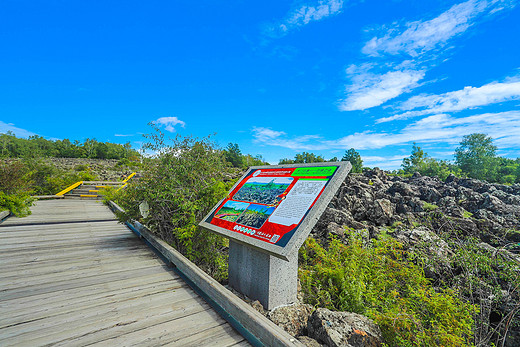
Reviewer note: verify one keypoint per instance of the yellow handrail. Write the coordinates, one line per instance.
(131, 175)
(66, 190)
(124, 185)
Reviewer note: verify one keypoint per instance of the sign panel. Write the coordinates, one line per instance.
(269, 206)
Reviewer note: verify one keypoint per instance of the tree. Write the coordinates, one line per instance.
(506, 170)
(90, 147)
(285, 161)
(233, 155)
(306, 157)
(257, 160)
(355, 159)
(476, 156)
(416, 161)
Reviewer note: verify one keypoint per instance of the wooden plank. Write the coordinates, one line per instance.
(241, 344)
(77, 323)
(45, 309)
(167, 332)
(84, 238)
(88, 240)
(59, 229)
(220, 335)
(71, 253)
(80, 294)
(91, 270)
(35, 268)
(107, 335)
(84, 282)
(84, 234)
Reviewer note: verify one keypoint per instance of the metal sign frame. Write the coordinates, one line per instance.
(297, 234)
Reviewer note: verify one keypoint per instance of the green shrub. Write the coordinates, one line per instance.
(379, 281)
(13, 177)
(181, 184)
(81, 167)
(18, 204)
(429, 207)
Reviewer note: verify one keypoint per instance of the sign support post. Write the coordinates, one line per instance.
(263, 277)
(267, 216)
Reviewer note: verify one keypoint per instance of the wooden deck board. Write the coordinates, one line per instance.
(94, 282)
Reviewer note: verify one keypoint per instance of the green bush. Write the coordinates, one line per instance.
(429, 207)
(13, 177)
(18, 204)
(181, 184)
(379, 281)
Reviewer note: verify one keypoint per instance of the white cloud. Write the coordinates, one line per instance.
(169, 123)
(19, 132)
(423, 36)
(306, 14)
(369, 90)
(123, 135)
(386, 163)
(503, 127)
(271, 137)
(421, 40)
(467, 98)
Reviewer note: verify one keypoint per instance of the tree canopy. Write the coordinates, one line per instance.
(476, 156)
(355, 159)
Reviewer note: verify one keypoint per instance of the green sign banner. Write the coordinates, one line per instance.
(323, 171)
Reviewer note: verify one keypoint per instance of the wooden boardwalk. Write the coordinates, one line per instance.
(70, 275)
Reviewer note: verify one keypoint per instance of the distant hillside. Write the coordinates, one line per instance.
(103, 169)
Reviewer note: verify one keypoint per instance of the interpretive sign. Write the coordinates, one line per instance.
(273, 208)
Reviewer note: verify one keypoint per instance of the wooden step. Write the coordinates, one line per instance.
(83, 196)
(102, 183)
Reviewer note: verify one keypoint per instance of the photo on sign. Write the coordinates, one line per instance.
(231, 210)
(263, 190)
(255, 216)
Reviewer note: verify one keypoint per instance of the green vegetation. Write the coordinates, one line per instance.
(19, 179)
(14, 188)
(38, 147)
(420, 162)
(301, 158)
(355, 159)
(379, 280)
(233, 155)
(429, 207)
(475, 158)
(467, 214)
(181, 183)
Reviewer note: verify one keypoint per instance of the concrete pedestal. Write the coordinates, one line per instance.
(263, 277)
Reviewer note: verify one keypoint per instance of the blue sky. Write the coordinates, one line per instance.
(276, 77)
